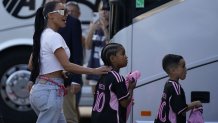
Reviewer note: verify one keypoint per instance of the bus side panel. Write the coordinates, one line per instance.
(124, 37)
(189, 29)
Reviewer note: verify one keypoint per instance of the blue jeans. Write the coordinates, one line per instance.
(46, 102)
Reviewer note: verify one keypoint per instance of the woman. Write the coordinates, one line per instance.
(48, 60)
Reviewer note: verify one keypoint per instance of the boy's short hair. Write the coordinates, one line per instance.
(170, 61)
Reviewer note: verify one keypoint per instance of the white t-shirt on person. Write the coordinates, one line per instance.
(51, 41)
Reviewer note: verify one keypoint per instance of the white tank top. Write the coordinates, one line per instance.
(51, 41)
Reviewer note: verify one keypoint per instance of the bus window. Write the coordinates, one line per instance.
(122, 12)
(148, 5)
(119, 17)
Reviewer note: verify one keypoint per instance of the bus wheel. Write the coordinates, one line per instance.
(14, 97)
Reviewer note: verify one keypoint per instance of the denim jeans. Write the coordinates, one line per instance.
(46, 102)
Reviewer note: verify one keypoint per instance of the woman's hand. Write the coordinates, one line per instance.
(94, 26)
(103, 23)
(64, 74)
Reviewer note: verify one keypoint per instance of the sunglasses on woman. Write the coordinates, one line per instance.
(62, 12)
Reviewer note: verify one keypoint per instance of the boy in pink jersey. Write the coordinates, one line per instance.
(173, 105)
(112, 96)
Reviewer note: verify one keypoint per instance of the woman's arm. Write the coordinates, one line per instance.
(74, 68)
(30, 83)
(104, 26)
(88, 41)
(30, 62)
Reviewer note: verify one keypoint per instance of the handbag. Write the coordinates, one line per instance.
(196, 115)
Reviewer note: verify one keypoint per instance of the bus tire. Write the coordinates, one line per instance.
(14, 103)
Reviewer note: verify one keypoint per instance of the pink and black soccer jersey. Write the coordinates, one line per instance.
(173, 104)
(110, 90)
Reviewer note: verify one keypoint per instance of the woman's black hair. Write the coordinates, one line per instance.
(170, 61)
(40, 23)
(109, 50)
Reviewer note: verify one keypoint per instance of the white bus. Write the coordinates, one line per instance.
(16, 31)
(150, 29)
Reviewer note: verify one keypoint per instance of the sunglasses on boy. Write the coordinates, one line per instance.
(62, 12)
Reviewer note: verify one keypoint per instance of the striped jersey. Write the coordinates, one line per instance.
(110, 89)
(173, 104)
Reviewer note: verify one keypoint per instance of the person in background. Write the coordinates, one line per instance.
(97, 38)
(74, 10)
(112, 96)
(72, 34)
(173, 105)
(49, 58)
